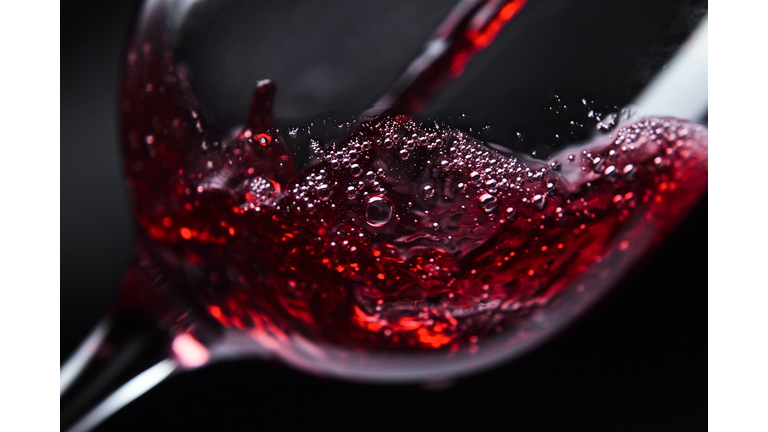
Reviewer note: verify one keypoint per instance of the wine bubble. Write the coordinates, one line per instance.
(351, 192)
(324, 192)
(378, 212)
(488, 202)
(474, 177)
(429, 191)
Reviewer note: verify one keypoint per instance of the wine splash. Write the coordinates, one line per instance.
(400, 237)
(403, 252)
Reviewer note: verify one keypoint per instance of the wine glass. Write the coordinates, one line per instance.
(194, 336)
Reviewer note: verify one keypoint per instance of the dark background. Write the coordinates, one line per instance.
(638, 361)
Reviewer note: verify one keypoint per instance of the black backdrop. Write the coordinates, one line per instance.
(638, 361)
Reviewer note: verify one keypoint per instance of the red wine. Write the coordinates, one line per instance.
(400, 237)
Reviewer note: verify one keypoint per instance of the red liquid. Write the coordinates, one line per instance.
(402, 237)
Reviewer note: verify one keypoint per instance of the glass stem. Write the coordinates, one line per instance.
(122, 358)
